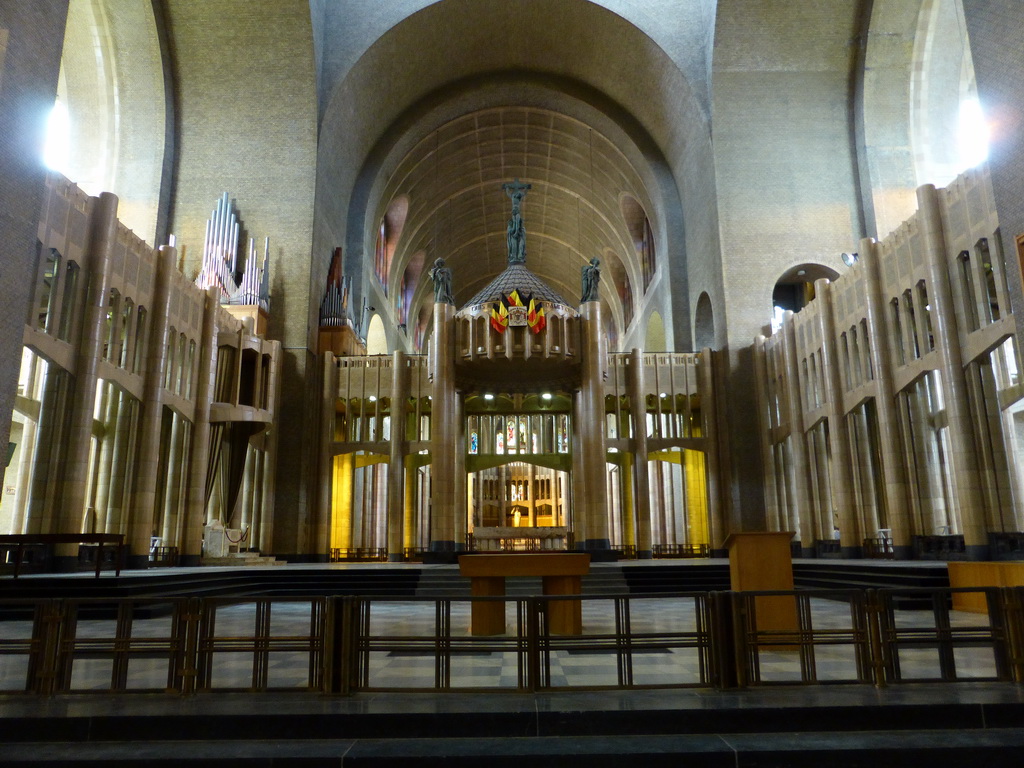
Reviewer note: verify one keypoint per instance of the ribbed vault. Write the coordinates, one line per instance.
(461, 96)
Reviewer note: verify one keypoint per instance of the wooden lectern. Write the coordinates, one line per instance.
(1006, 573)
(762, 561)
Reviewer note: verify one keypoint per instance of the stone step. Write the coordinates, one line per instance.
(991, 747)
(241, 559)
(938, 727)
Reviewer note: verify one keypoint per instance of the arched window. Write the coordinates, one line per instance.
(948, 127)
(623, 286)
(410, 279)
(106, 130)
(704, 323)
(795, 288)
(643, 238)
(388, 232)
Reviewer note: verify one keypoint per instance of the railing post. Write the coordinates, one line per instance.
(872, 601)
(188, 627)
(340, 643)
(46, 634)
(997, 601)
(534, 606)
(721, 637)
(1013, 600)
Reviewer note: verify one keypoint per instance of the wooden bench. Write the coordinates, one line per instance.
(17, 542)
(560, 574)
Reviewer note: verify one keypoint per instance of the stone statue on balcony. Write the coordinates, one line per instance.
(442, 277)
(515, 234)
(591, 277)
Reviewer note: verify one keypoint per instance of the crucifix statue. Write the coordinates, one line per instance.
(515, 235)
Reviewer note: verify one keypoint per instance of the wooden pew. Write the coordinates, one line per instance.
(18, 542)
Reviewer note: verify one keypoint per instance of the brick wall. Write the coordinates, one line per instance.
(246, 124)
(784, 165)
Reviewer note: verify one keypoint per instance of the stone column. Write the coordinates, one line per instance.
(843, 501)
(28, 450)
(460, 509)
(142, 502)
(246, 516)
(864, 462)
(579, 486)
(591, 425)
(627, 510)
(765, 425)
(641, 476)
(717, 529)
(396, 464)
(410, 529)
(109, 405)
(39, 514)
(268, 480)
(127, 413)
(256, 497)
(799, 465)
(195, 493)
(963, 462)
(443, 429)
(172, 499)
(325, 479)
(896, 515)
(929, 489)
(101, 242)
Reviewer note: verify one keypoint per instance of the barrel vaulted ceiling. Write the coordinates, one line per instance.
(458, 97)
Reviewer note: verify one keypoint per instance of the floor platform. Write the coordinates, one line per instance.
(949, 725)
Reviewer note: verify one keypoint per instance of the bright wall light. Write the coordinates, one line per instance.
(973, 134)
(58, 139)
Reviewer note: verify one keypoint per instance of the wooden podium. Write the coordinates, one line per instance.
(761, 561)
(560, 574)
(1005, 573)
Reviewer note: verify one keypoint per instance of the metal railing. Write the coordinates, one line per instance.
(358, 555)
(342, 645)
(681, 550)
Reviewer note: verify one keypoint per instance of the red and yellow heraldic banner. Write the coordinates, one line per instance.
(513, 310)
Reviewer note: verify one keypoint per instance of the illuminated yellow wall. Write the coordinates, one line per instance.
(696, 496)
(341, 501)
(695, 473)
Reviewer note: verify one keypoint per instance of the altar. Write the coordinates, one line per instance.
(560, 575)
(520, 539)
